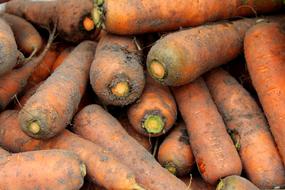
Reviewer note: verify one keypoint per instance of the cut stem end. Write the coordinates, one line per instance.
(137, 187)
(97, 17)
(157, 70)
(220, 186)
(121, 89)
(34, 127)
(83, 170)
(88, 24)
(153, 124)
(171, 168)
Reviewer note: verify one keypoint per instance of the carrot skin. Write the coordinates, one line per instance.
(45, 169)
(264, 46)
(102, 167)
(98, 126)
(235, 182)
(61, 57)
(245, 120)
(175, 152)
(215, 153)
(51, 108)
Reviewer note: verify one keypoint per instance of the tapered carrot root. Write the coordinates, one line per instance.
(264, 51)
(73, 17)
(214, 151)
(46, 169)
(8, 51)
(183, 56)
(143, 140)
(116, 74)
(51, 108)
(250, 131)
(235, 182)
(27, 37)
(14, 81)
(155, 112)
(100, 127)
(102, 167)
(134, 16)
(175, 153)
(61, 57)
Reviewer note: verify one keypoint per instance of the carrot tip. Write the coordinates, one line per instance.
(88, 24)
(34, 127)
(157, 70)
(153, 124)
(121, 89)
(83, 169)
(220, 186)
(171, 168)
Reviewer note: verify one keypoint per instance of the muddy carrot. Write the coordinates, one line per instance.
(235, 182)
(213, 149)
(155, 112)
(52, 107)
(61, 57)
(97, 125)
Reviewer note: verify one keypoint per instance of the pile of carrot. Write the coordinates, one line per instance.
(142, 95)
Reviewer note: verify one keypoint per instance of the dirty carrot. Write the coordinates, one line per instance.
(61, 57)
(213, 149)
(235, 182)
(51, 108)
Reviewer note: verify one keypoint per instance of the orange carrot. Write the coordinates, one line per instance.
(27, 37)
(235, 182)
(213, 149)
(46, 169)
(51, 108)
(136, 17)
(116, 74)
(175, 153)
(102, 167)
(8, 51)
(155, 112)
(72, 17)
(14, 81)
(259, 155)
(61, 57)
(98, 126)
(264, 51)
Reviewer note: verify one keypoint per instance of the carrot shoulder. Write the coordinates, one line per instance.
(264, 51)
(235, 182)
(51, 108)
(213, 149)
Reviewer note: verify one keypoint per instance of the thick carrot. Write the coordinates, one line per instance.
(73, 17)
(143, 140)
(102, 167)
(246, 122)
(155, 112)
(8, 51)
(51, 108)
(196, 183)
(28, 39)
(116, 73)
(264, 51)
(45, 169)
(235, 182)
(97, 125)
(175, 153)
(135, 16)
(14, 81)
(213, 149)
(183, 56)
(43, 69)
(61, 57)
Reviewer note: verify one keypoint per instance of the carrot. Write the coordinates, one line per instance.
(235, 182)
(98, 126)
(213, 149)
(155, 112)
(74, 17)
(264, 51)
(102, 167)
(175, 153)
(43, 69)
(136, 17)
(46, 169)
(116, 74)
(197, 183)
(60, 58)
(249, 128)
(14, 81)
(8, 51)
(183, 56)
(27, 37)
(51, 108)
(141, 139)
